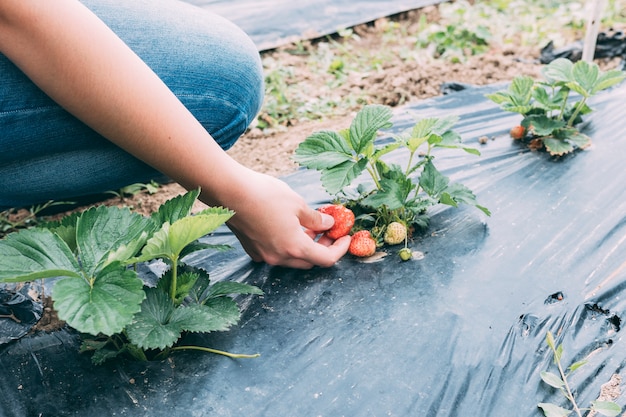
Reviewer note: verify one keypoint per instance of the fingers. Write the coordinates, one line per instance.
(314, 220)
(325, 252)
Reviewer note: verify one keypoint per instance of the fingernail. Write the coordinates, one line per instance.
(327, 221)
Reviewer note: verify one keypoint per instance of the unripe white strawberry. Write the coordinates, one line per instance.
(395, 233)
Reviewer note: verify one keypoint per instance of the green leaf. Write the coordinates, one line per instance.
(189, 229)
(413, 143)
(578, 89)
(547, 102)
(559, 70)
(581, 140)
(107, 305)
(385, 150)
(542, 125)
(558, 147)
(228, 287)
(425, 128)
(518, 109)
(153, 327)
(336, 178)
(558, 353)
(552, 379)
(608, 79)
(521, 90)
(393, 195)
(170, 240)
(35, 253)
(160, 324)
(500, 97)
(445, 124)
(198, 293)
(452, 140)
(432, 181)
(106, 234)
(366, 124)
(550, 340)
(68, 234)
(323, 150)
(65, 228)
(176, 208)
(576, 365)
(606, 408)
(198, 246)
(585, 74)
(551, 410)
(217, 314)
(447, 199)
(185, 281)
(459, 194)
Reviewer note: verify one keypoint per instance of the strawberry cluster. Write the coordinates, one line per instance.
(363, 244)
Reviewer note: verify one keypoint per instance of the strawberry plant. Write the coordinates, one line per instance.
(553, 108)
(97, 291)
(606, 408)
(395, 193)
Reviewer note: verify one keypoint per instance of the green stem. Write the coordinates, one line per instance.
(219, 352)
(570, 122)
(408, 166)
(173, 284)
(562, 111)
(372, 171)
(569, 395)
(426, 157)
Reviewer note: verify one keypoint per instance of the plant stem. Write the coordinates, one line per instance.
(569, 394)
(570, 122)
(219, 352)
(408, 166)
(372, 171)
(173, 283)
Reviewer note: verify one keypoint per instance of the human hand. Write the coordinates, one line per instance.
(275, 225)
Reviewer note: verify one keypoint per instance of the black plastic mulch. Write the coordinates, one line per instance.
(460, 332)
(271, 23)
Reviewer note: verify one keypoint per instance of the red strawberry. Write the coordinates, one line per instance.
(362, 244)
(517, 132)
(344, 220)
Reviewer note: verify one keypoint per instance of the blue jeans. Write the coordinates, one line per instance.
(209, 63)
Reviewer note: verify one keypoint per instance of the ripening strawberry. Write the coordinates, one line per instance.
(395, 233)
(517, 132)
(344, 220)
(362, 244)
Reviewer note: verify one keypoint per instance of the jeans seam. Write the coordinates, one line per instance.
(28, 109)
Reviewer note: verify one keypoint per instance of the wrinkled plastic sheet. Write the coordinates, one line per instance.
(272, 23)
(608, 45)
(460, 332)
(19, 312)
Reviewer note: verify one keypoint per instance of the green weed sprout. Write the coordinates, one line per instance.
(549, 108)
(606, 408)
(98, 292)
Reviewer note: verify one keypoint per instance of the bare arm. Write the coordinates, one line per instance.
(110, 89)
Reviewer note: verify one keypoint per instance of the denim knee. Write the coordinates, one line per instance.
(208, 62)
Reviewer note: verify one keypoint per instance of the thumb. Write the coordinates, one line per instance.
(316, 221)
